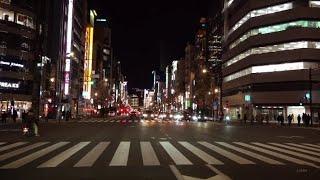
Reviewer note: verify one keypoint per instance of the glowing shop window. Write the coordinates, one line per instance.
(314, 3)
(6, 15)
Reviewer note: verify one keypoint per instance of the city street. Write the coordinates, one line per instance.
(122, 148)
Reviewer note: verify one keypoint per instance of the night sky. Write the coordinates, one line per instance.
(148, 34)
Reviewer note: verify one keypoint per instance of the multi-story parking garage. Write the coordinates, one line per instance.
(17, 54)
(271, 57)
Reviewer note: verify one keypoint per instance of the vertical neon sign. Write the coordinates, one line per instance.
(68, 49)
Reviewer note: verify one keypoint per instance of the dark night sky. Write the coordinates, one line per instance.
(145, 32)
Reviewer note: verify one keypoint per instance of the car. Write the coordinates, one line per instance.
(112, 112)
(134, 114)
(148, 114)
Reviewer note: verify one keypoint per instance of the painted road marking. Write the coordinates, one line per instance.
(10, 146)
(21, 150)
(25, 160)
(149, 156)
(201, 154)
(89, 159)
(296, 149)
(315, 159)
(251, 154)
(175, 155)
(312, 145)
(227, 154)
(121, 155)
(304, 147)
(55, 161)
(278, 155)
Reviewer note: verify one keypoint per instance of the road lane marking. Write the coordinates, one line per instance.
(251, 154)
(176, 172)
(89, 159)
(227, 154)
(118, 121)
(312, 145)
(1, 143)
(55, 161)
(312, 158)
(149, 156)
(175, 155)
(112, 121)
(278, 155)
(21, 150)
(304, 147)
(27, 159)
(201, 154)
(120, 157)
(10, 146)
(295, 148)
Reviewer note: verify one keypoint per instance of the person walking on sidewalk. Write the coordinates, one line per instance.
(299, 120)
(245, 118)
(14, 115)
(239, 116)
(290, 119)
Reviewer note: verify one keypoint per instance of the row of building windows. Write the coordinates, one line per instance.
(274, 48)
(271, 68)
(261, 12)
(314, 3)
(276, 28)
(15, 17)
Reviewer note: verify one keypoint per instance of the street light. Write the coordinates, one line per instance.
(96, 94)
(216, 90)
(204, 71)
(52, 80)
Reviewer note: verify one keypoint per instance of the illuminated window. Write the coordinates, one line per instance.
(261, 12)
(314, 3)
(276, 28)
(274, 48)
(25, 20)
(6, 15)
(270, 68)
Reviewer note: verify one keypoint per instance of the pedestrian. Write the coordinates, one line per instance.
(289, 120)
(4, 117)
(252, 119)
(245, 118)
(299, 120)
(279, 119)
(14, 115)
(239, 116)
(282, 120)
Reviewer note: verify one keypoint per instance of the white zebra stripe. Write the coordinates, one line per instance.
(175, 155)
(120, 157)
(278, 155)
(201, 154)
(21, 150)
(315, 159)
(55, 161)
(89, 159)
(312, 145)
(149, 156)
(296, 149)
(304, 147)
(227, 154)
(251, 154)
(11, 146)
(27, 159)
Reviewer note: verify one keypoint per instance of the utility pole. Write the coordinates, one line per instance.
(310, 92)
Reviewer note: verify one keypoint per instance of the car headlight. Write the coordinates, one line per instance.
(152, 115)
(195, 118)
(145, 115)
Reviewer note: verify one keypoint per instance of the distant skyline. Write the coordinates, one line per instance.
(148, 34)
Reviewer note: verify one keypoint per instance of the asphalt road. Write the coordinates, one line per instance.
(123, 148)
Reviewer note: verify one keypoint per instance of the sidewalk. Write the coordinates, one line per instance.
(271, 123)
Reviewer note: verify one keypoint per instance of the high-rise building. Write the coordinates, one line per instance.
(18, 55)
(271, 50)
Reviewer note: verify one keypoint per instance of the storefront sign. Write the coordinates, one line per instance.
(9, 85)
(12, 64)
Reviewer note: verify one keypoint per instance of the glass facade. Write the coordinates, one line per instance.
(276, 28)
(274, 48)
(270, 68)
(314, 4)
(261, 12)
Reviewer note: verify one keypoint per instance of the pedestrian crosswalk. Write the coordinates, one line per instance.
(155, 153)
(126, 120)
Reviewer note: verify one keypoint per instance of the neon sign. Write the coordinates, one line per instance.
(9, 85)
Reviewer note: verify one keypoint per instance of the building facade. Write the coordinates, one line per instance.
(18, 55)
(271, 53)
